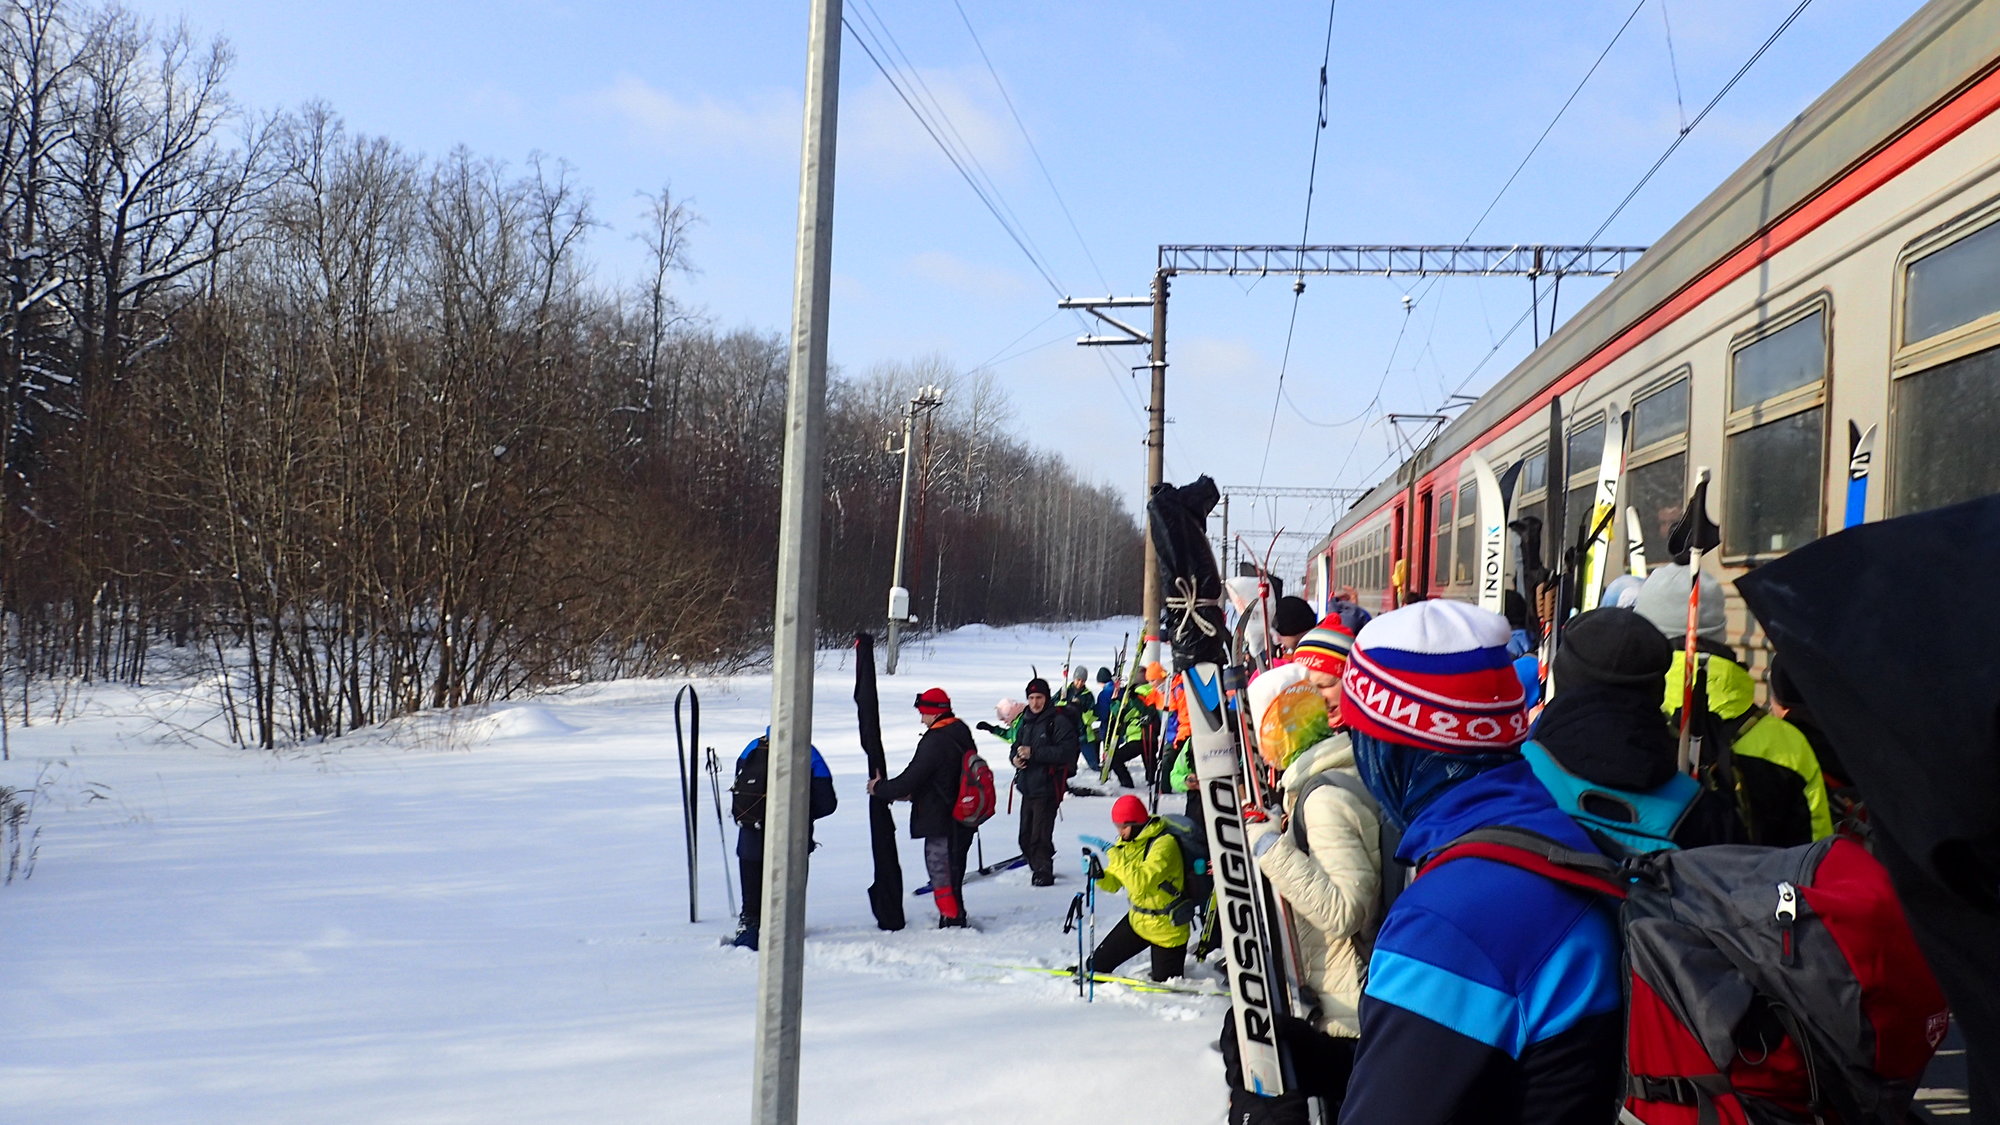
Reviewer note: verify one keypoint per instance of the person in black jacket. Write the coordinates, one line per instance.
(930, 784)
(747, 797)
(1045, 749)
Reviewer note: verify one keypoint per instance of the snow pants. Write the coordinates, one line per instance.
(1127, 752)
(944, 862)
(1123, 943)
(1038, 833)
(750, 871)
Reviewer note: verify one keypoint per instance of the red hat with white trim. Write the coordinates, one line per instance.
(1436, 675)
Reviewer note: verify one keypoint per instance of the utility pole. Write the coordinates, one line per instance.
(781, 962)
(928, 398)
(1156, 416)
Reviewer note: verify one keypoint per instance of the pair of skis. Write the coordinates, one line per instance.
(688, 753)
(1012, 864)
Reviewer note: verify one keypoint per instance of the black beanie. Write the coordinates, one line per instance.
(1104, 675)
(1293, 617)
(1613, 646)
(1040, 686)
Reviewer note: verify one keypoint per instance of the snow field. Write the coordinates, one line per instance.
(482, 917)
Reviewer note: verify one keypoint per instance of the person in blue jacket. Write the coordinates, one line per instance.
(1493, 993)
(747, 808)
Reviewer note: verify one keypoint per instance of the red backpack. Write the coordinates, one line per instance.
(1765, 985)
(976, 796)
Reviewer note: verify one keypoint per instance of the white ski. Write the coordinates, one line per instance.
(1635, 543)
(1492, 534)
(1609, 468)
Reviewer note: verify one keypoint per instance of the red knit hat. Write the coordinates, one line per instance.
(1129, 810)
(1435, 675)
(934, 702)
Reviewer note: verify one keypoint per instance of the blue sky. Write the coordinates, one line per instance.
(1160, 122)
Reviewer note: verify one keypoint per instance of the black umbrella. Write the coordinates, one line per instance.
(1891, 632)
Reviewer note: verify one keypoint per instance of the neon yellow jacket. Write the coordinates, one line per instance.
(1148, 868)
(1731, 692)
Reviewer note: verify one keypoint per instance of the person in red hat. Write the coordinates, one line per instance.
(930, 784)
(1145, 863)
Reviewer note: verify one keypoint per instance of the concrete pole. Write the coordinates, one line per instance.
(781, 963)
(902, 533)
(1156, 443)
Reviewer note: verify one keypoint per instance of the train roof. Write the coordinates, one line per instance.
(1945, 46)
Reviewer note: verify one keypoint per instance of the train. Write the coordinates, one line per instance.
(1845, 281)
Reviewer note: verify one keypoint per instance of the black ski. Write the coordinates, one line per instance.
(688, 750)
(884, 895)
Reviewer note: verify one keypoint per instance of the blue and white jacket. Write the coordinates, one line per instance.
(1494, 994)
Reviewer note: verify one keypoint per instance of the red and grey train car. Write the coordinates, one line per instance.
(1848, 273)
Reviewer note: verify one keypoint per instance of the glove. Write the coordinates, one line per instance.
(1263, 835)
(1101, 844)
(991, 729)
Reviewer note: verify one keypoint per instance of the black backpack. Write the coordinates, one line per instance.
(746, 793)
(1197, 881)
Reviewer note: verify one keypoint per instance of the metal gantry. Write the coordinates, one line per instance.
(1399, 261)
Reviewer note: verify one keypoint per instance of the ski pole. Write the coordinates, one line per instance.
(979, 842)
(721, 834)
(1700, 498)
(690, 764)
(1084, 966)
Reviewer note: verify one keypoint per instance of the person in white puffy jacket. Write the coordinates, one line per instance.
(1324, 859)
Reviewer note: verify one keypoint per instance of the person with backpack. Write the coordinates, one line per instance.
(1606, 754)
(932, 783)
(1324, 859)
(1780, 792)
(1044, 757)
(746, 808)
(1148, 864)
(1138, 722)
(1493, 993)
(1081, 703)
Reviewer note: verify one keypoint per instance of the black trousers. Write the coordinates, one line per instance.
(1124, 943)
(1038, 832)
(1127, 752)
(750, 871)
(1321, 1066)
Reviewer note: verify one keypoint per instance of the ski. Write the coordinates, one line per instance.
(1136, 984)
(1603, 525)
(1493, 493)
(1635, 543)
(1013, 864)
(1860, 453)
(687, 751)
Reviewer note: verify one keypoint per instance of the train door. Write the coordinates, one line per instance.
(1420, 538)
(1397, 557)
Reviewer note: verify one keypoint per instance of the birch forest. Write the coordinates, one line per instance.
(355, 432)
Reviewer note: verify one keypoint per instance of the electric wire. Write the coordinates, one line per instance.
(1299, 289)
(1036, 152)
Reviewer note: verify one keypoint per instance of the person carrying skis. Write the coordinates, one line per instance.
(1044, 757)
(1081, 703)
(1138, 725)
(747, 809)
(1780, 792)
(930, 784)
(1145, 863)
(1494, 993)
(1606, 754)
(1324, 858)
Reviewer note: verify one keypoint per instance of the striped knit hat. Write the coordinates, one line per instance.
(1435, 675)
(1324, 649)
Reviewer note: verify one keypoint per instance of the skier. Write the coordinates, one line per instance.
(1493, 994)
(1107, 694)
(1081, 703)
(1044, 757)
(930, 784)
(1138, 726)
(1606, 754)
(1780, 791)
(746, 801)
(1291, 618)
(1146, 864)
(1325, 860)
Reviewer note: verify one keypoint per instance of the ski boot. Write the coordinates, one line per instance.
(951, 922)
(746, 938)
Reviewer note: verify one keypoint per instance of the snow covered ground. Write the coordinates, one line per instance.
(483, 918)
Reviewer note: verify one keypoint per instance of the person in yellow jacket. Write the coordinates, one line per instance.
(1145, 863)
(1781, 794)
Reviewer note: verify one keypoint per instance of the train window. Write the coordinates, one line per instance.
(1586, 451)
(1790, 358)
(1774, 485)
(1656, 481)
(1945, 419)
(1468, 514)
(1441, 545)
(1535, 472)
(1772, 472)
(1660, 416)
(1952, 286)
